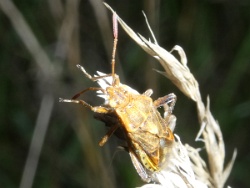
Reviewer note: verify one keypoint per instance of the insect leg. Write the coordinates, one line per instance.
(98, 109)
(108, 134)
(171, 122)
(91, 77)
(88, 89)
(168, 102)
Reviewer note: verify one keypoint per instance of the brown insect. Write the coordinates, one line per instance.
(148, 135)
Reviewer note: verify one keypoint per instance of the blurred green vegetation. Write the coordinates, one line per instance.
(214, 34)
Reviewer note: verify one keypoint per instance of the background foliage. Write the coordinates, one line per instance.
(214, 34)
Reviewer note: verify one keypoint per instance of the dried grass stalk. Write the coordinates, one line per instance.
(186, 167)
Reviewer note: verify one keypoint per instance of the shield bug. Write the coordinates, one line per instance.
(148, 135)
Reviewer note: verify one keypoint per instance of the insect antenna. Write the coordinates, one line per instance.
(115, 33)
(88, 89)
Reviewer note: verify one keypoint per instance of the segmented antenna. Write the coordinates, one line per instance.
(115, 33)
(115, 26)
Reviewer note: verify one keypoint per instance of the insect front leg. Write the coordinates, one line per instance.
(88, 89)
(93, 78)
(98, 109)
